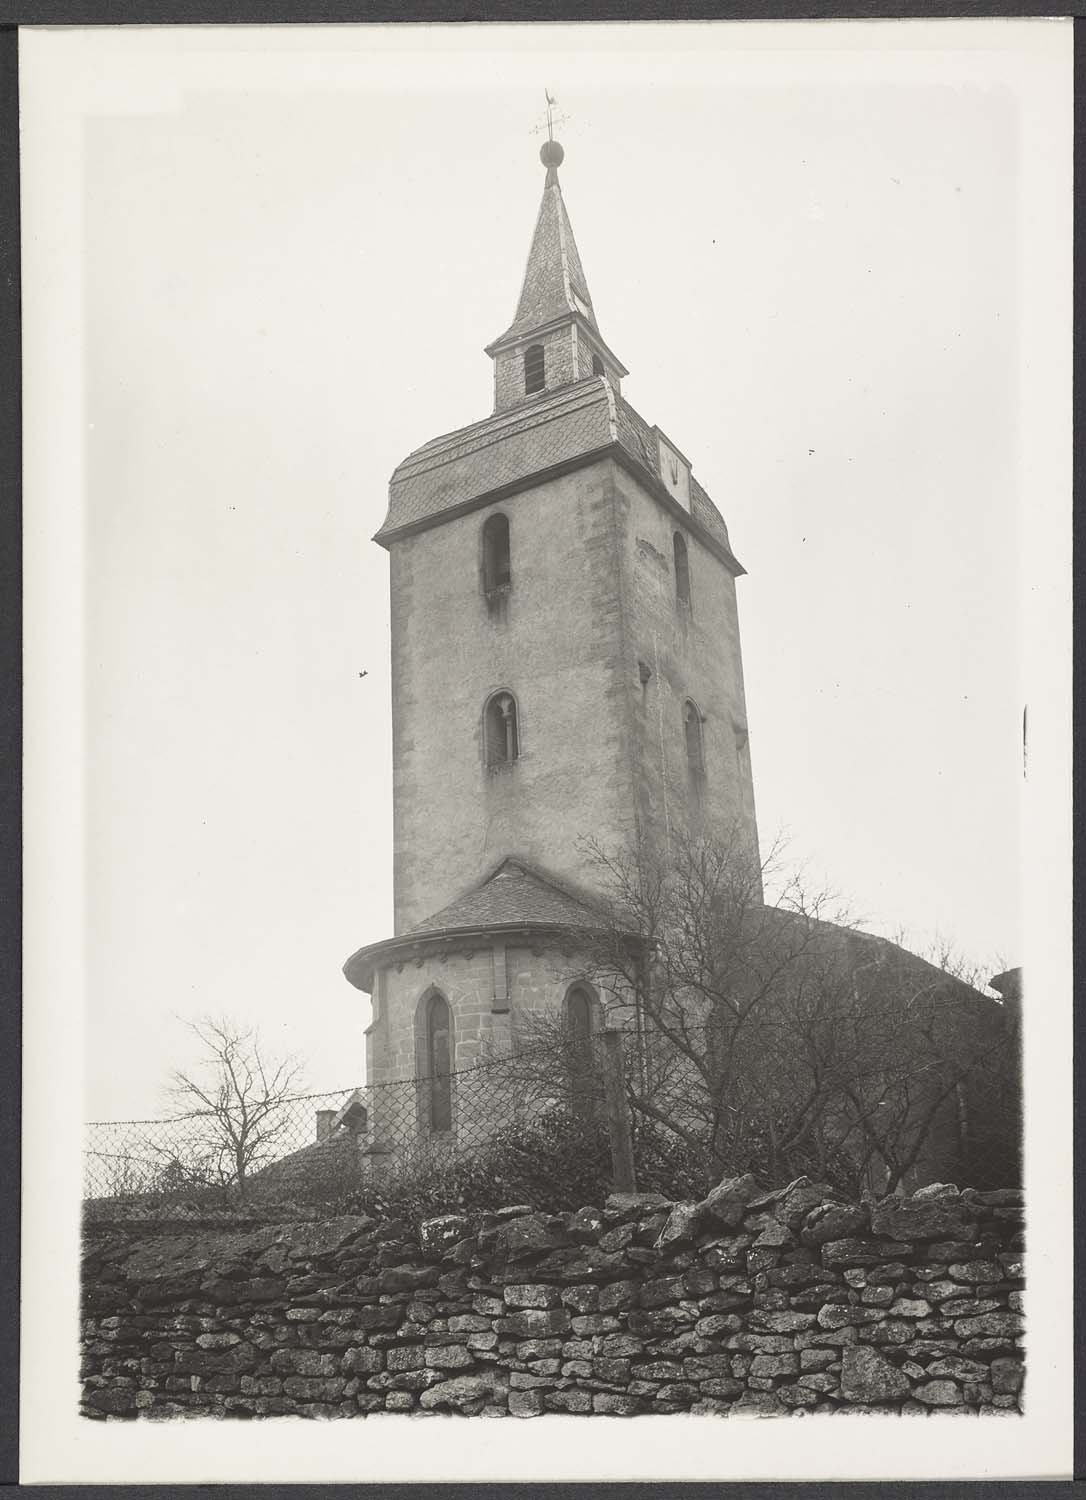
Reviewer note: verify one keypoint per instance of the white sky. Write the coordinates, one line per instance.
(809, 263)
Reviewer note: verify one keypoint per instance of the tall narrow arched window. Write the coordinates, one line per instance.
(597, 365)
(437, 1063)
(682, 569)
(496, 569)
(500, 733)
(577, 1017)
(695, 757)
(535, 369)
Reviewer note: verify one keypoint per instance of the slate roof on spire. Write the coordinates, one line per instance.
(554, 272)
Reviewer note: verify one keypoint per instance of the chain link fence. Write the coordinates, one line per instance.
(696, 1115)
(558, 1123)
(425, 1139)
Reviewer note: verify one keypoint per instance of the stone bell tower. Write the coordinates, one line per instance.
(565, 664)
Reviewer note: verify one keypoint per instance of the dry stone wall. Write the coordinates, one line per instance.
(774, 1303)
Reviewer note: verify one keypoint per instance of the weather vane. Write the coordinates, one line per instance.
(552, 119)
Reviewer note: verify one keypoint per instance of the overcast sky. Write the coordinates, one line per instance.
(809, 261)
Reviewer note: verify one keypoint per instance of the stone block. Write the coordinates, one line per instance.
(585, 1226)
(666, 1289)
(534, 1323)
(955, 1368)
(923, 1218)
(619, 1207)
(990, 1325)
(969, 1307)
(837, 1254)
(399, 1401)
(816, 1359)
(766, 1366)
(781, 1322)
(468, 1323)
(1006, 1376)
(362, 1361)
(699, 1281)
(525, 1403)
(710, 1366)
(832, 1222)
(605, 1404)
(681, 1227)
(408, 1357)
(759, 1343)
(303, 1362)
(538, 1349)
(938, 1393)
(724, 1387)
(617, 1346)
(593, 1323)
(618, 1294)
(658, 1369)
(975, 1271)
(906, 1307)
(451, 1357)
(759, 1403)
(581, 1299)
(717, 1324)
(383, 1315)
(796, 1396)
(531, 1294)
(619, 1237)
(727, 1202)
(868, 1377)
(577, 1403)
(460, 1391)
(528, 1236)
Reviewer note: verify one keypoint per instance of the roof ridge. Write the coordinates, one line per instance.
(530, 872)
(498, 422)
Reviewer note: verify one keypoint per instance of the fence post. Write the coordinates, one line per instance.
(618, 1117)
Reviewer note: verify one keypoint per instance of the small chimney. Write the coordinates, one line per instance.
(324, 1123)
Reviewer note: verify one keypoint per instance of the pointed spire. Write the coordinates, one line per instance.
(554, 282)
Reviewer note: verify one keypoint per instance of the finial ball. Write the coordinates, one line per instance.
(551, 154)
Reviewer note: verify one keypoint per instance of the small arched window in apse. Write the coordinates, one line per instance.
(578, 1026)
(682, 569)
(535, 369)
(437, 1021)
(500, 730)
(497, 573)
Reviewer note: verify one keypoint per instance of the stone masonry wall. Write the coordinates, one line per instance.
(771, 1303)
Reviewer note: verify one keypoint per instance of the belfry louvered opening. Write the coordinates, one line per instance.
(535, 369)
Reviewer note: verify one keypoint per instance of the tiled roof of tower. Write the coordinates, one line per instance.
(554, 272)
(512, 895)
(511, 446)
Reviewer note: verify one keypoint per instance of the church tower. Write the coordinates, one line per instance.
(565, 665)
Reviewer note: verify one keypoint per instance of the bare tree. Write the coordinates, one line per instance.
(234, 1098)
(775, 1037)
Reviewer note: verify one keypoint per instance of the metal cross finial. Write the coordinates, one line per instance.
(553, 117)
